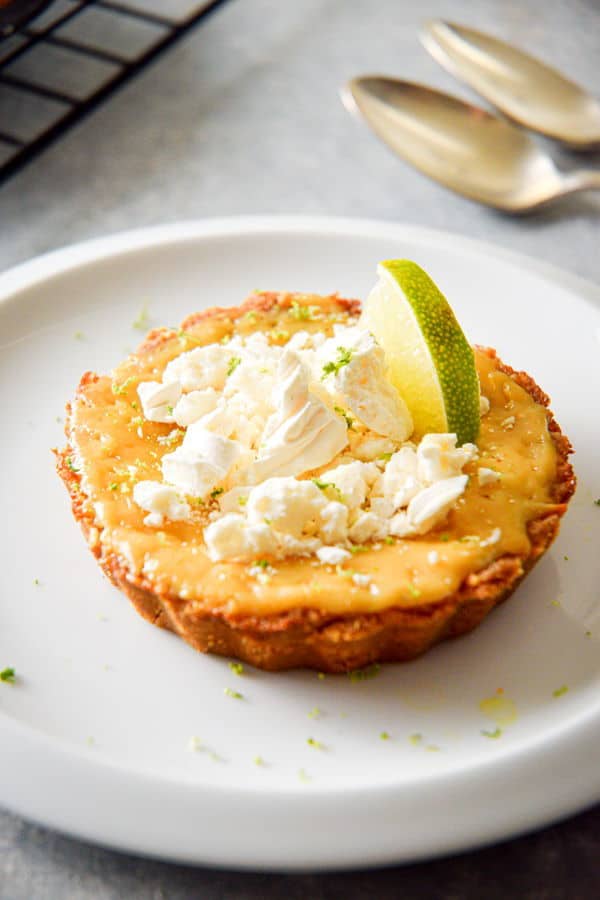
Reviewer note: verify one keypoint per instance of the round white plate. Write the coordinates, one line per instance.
(94, 736)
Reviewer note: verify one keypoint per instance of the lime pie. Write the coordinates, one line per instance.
(296, 482)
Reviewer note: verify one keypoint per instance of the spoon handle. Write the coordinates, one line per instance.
(581, 180)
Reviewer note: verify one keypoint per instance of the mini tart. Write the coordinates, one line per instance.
(306, 614)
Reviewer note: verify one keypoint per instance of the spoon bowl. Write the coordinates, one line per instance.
(460, 145)
(521, 86)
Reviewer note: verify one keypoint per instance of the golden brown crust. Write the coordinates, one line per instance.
(316, 639)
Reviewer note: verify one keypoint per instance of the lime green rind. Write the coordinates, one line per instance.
(451, 353)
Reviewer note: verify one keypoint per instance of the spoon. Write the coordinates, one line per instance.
(522, 87)
(462, 146)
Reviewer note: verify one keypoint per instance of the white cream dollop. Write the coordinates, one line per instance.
(202, 462)
(192, 406)
(161, 502)
(159, 400)
(438, 457)
(360, 378)
(200, 368)
(432, 504)
(303, 433)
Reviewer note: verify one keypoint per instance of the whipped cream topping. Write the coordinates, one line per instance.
(302, 433)
(161, 502)
(203, 460)
(358, 374)
(260, 419)
(352, 503)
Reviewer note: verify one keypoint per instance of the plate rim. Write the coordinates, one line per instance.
(54, 262)
(586, 727)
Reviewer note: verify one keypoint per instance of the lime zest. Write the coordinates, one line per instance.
(344, 355)
(233, 364)
(364, 674)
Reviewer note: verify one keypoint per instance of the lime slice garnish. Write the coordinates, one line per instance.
(430, 361)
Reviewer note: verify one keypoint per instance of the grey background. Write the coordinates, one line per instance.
(243, 117)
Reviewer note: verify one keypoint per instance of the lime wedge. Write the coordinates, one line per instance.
(430, 361)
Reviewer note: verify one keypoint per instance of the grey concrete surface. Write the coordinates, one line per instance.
(243, 117)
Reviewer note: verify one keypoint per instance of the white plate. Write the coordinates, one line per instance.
(94, 736)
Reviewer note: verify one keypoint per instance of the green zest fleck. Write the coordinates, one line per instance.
(385, 456)
(280, 335)
(216, 492)
(237, 668)
(560, 691)
(321, 676)
(302, 775)
(79, 336)
(344, 355)
(233, 364)
(364, 674)
(314, 713)
(8, 675)
(258, 761)
(329, 485)
(359, 548)
(345, 415)
(122, 388)
(384, 736)
(316, 745)
(415, 739)
(445, 538)
(303, 313)
(242, 501)
(113, 486)
(170, 410)
(496, 733)
(229, 692)
(69, 464)
(143, 319)
(262, 563)
(597, 502)
(413, 590)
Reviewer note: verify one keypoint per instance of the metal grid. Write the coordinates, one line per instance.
(72, 57)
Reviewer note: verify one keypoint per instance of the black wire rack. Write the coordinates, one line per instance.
(74, 56)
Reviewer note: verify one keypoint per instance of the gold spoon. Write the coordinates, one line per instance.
(462, 146)
(523, 88)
